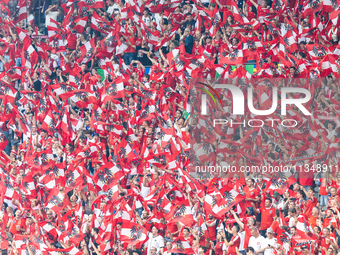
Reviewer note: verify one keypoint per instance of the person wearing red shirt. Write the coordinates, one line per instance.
(251, 194)
(140, 69)
(323, 193)
(211, 224)
(207, 45)
(326, 240)
(306, 175)
(31, 226)
(334, 199)
(218, 248)
(18, 224)
(314, 216)
(156, 179)
(177, 18)
(235, 241)
(311, 202)
(268, 213)
(187, 236)
(300, 202)
(130, 52)
(293, 193)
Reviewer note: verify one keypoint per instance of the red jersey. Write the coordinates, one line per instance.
(210, 48)
(133, 42)
(306, 178)
(309, 206)
(292, 193)
(30, 229)
(267, 217)
(325, 242)
(139, 72)
(324, 186)
(212, 230)
(252, 193)
(232, 248)
(178, 17)
(218, 248)
(14, 224)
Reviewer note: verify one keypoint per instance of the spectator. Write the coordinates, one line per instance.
(189, 41)
(267, 215)
(155, 242)
(251, 194)
(269, 243)
(255, 241)
(17, 224)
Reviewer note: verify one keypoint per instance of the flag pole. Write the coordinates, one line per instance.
(40, 14)
(26, 14)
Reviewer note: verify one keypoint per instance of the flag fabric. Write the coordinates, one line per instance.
(233, 57)
(180, 245)
(91, 4)
(133, 233)
(29, 57)
(87, 50)
(100, 24)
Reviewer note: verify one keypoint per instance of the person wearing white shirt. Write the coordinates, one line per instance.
(268, 244)
(291, 214)
(155, 241)
(242, 236)
(111, 7)
(51, 13)
(256, 240)
(146, 18)
(168, 247)
(145, 191)
(331, 130)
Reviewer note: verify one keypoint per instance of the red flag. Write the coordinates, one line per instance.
(133, 233)
(29, 57)
(100, 24)
(317, 51)
(55, 201)
(180, 245)
(234, 57)
(3, 141)
(71, 251)
(91, 4)
(87, 50)
(79, 24)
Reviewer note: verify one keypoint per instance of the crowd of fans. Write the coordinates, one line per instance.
(99, 128)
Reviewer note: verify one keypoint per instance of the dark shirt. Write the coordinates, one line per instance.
(193, 22)
(142, 57)
(96, 245)
(57, 78)
(189, 43)
(83, 73)
(37, 85)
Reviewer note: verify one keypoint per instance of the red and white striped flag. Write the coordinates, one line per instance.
(87, 50)
(29, 57)
(91, 4)
(133, 233)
